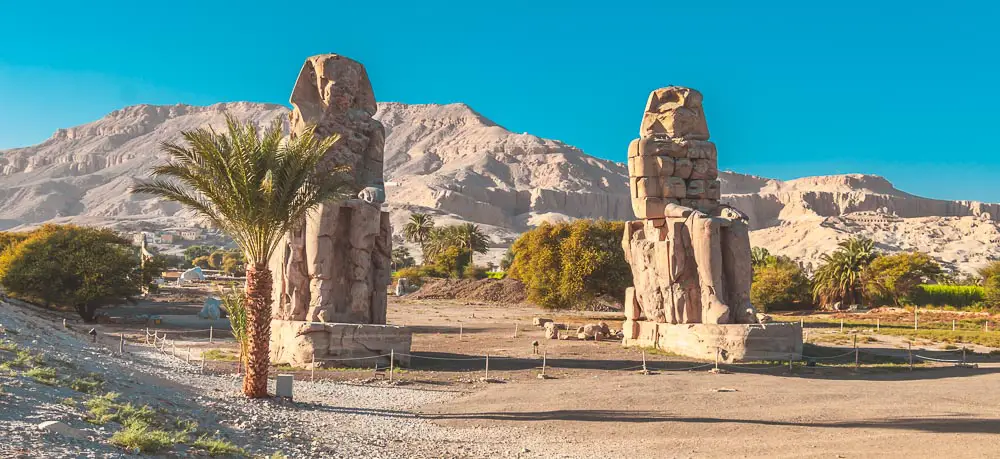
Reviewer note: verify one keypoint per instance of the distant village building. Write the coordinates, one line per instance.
(191, 235)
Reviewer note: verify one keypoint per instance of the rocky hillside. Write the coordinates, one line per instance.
(450, 161)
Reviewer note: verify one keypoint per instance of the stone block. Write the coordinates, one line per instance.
(682, 168)
(704, 169)
(283, 386)
(660, 146)
(633, 148)
(645, 166)
(700, 149)
(632, 309)
(713, 189)
(696, 189)
(648, 187)
(630, 330)
(296, 342)
(63, 429)
(674, 187)
(733, 342)
(648, 207)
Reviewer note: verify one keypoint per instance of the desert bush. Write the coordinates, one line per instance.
(779, 283)
(203, 262)
(988, 271)
(451, 260)
(894, 278)
(991, 291)
(566, 265)
(72, 266)
(959, 296)
(8, 239)
(475, 272)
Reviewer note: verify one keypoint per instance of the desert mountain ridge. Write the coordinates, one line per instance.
(456, 164)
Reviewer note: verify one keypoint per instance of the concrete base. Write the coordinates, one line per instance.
(734, 343)
(296, 342)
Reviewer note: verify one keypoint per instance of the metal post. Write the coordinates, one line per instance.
(857, 360)
(644, 360)
(312, 371)
(914, 317)
(459, 332)
(515, 330)
(909, 352)
(841, 324)
(211, 334)
(952, 324)
(64, 324)
(121, 344)
(392, 363)
(963, 355)
(790, 357)
(147, 335)
(487, 366)
(802, 322)
(878, 324)
(716, 359)
(543, 363)
(189, 355)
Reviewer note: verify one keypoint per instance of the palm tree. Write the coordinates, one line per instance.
(419, 230)
(759, 256)
(469, 237)
(256, 189)
(839, 277)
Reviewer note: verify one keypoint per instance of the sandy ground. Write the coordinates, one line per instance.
(596, 404)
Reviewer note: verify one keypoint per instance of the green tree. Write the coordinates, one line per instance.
(418, 230)
(895, 277)
(256, 188)
(216, 258)
(988, 271)
(196, 251)
(570, 264)
(452, 260)
(759, 256)
(779, 282)
(839, 276)
(507, 260)
(8, 238)
(992, 290)
(470, 237)
(74, 267)
(401, 258)
(233, 263)
(203, 262)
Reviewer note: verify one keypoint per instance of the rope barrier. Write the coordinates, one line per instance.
(754, 369)
(353, 358)
(932, 359)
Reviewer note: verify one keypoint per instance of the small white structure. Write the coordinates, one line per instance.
(212, 309)
(193, 274)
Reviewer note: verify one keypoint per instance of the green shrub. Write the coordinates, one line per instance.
(73, 267)
(42, 375)
(779, 283)
(959, 296)
(234, 302)
(893, 279)
(217, 446)
(139, 436)
(452, 260)
(496, 275)
(568, 265)
(991, 291)
(475, 272)
(88, 385)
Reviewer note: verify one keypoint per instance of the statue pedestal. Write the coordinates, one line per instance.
(296, 342)
(734, 342)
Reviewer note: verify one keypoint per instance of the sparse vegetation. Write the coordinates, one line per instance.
(779, 282)
(140, 437)
(43, 375)
(216, 446)
(88, 385)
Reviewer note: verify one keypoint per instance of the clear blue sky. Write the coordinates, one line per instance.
(908, 90)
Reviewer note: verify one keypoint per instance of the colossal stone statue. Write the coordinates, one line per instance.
(332, 273)
(689, 254)
(335, 268)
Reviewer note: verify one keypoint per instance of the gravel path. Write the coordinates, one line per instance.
(327, 419)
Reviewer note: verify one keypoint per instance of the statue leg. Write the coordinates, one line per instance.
(707, 245)
(320, 261)
(738, 272)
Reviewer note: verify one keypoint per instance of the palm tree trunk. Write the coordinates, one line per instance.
(258, 358)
